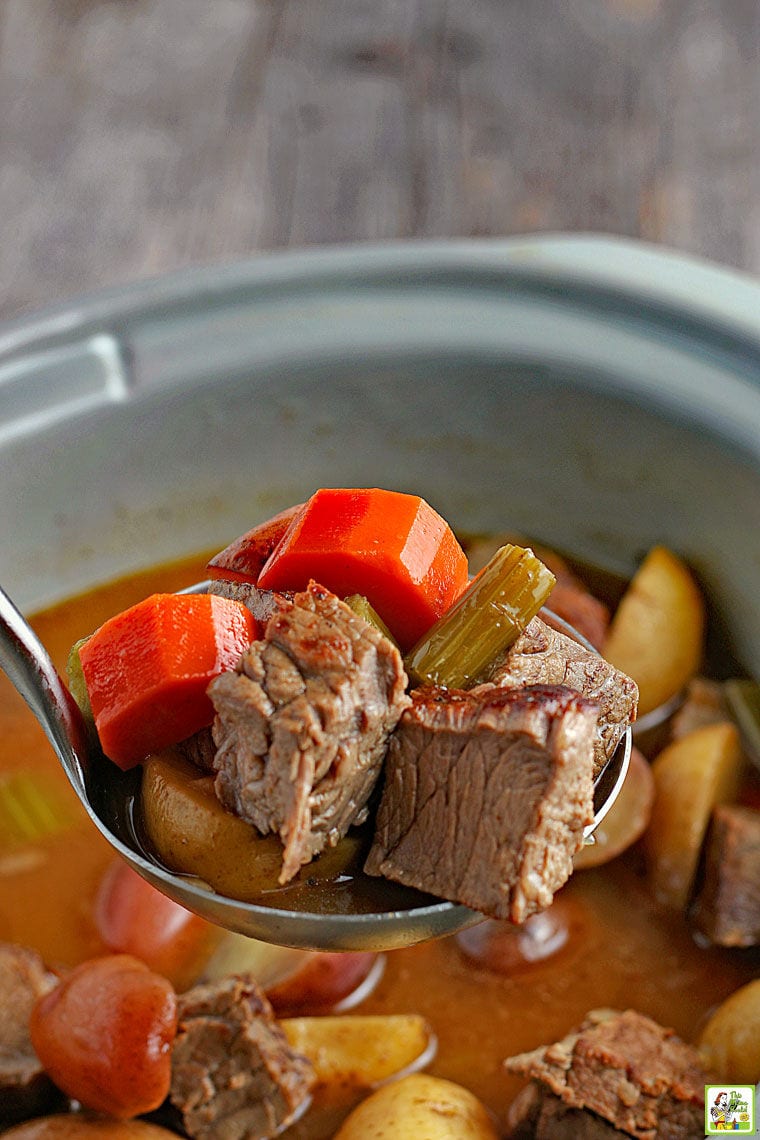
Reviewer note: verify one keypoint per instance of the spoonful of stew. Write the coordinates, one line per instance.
(340, 741)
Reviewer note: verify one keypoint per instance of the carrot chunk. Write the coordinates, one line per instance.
(391, 547)
(147, 670)
(244, 558)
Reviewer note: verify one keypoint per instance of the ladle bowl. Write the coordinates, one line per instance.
(108, 796)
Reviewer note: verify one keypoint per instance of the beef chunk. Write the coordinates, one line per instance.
(537, 1114)
(545, 656)
(727, 907)
(234, 1075)
(486, 796)
(25, 1090)
(261, 603)
(302, 728)
(628, 1070)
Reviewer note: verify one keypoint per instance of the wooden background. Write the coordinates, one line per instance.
(137, 136)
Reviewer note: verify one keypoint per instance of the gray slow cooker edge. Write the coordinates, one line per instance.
(602, 396)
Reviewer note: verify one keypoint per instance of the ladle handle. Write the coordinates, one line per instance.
(27, 664)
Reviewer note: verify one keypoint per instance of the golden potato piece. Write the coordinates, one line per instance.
(419, 1106)
(730, 1041)
(627, 819)
(361, 1050)
(193, 833)
(691, 776)
(657, 632)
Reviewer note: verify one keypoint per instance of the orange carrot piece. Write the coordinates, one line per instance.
(147, 670)
(391, 547)
(243, 559)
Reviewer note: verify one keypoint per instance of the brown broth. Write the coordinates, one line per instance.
(623, 950)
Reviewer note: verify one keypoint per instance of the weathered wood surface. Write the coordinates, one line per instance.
(138, 136)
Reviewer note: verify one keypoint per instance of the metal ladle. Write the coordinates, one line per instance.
(107, 794)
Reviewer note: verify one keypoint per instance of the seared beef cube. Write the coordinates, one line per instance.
(727, 908)
(234, 1075)
(486, 796)
(537, 1114)
(636, 1075)
(545, 656)
(261, 603)
(25, 1089)
(302, 728)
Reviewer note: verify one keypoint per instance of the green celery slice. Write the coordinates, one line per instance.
(76, 682)
(31, 808)
(362, 608)
(489, 616)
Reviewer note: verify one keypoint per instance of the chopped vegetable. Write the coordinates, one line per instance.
(326, 982)
(361, 1050)
(361, 607)
(133, 917)
(391, 547)
(627, 819)
(657, 632)
(244, 558)
(104, 1035)
(484, 622)
(730, 1041)
(32, 807)
(691, 776)
(416, 1107)
(147, 670)
(192, 832)
(76, 681)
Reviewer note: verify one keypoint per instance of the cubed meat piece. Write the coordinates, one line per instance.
(25, 1089)
(537, 1114)
(637, 1076)
(234, 1075)
(261, 603)
(542, 655)
(302, 728)
(486, 796)
(727, 907)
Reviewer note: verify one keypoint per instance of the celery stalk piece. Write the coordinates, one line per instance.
(362, 608)
(31, 808)
(743, 698)
(76, 681)
(484, 621)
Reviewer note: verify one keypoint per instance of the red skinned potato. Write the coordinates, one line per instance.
(104, 1035)
(133, 917)
(78, 1126)
(324, 981)
(244, 558)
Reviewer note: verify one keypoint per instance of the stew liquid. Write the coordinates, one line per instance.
(620, 950)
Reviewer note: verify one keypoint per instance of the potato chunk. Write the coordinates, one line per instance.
(363, 1050)
(419, 1106)
(193, 833)
(730, 1041)
(691, 776)
(657, 632)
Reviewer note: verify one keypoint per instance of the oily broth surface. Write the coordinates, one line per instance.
(623, 950)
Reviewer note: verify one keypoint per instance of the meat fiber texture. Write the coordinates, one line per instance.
(25, 1089)
(542, 655)
(727, 907)
(234, 1075)
(301, 729)
(637, 1076)
(486, 796)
